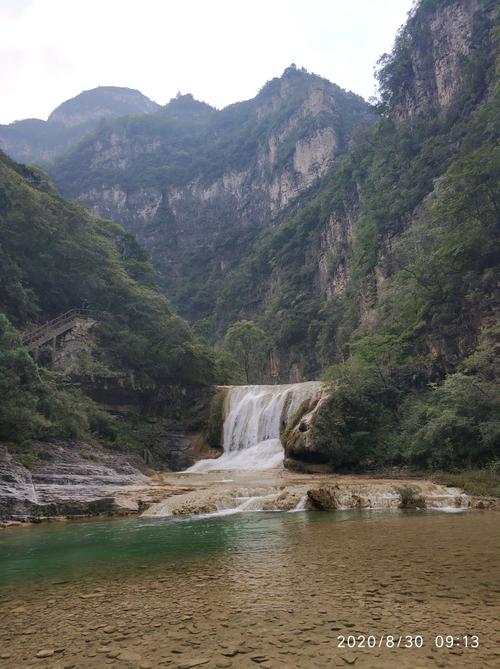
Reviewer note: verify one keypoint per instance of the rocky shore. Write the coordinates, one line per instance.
(70, 483)
(76, 480)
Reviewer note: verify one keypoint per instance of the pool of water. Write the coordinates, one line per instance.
(81, 549)
(272, 589)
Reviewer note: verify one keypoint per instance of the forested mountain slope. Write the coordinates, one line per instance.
(53, 256)
(399, 198)
(197, 186)
(367, 252)
(391, 273)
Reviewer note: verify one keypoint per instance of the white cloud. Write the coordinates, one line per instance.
(219, 50)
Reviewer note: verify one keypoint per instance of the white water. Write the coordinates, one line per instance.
(301, 505)
(242, 505)
(254, 416)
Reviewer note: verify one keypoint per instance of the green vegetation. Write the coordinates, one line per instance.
(410, 497)
(54, 255)
(195, 141)
(248, 346)
(188, 144)
(38, 403)
(482, 482)
(412, 261)
(34, 140)
(215, 426)
(383, 281)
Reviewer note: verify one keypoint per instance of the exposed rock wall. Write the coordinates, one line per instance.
(66, 479)
(444, 36)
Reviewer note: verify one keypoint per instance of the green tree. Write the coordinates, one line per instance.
(19, 387)
(249, 346)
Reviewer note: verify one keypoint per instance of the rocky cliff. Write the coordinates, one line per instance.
(441, 45)
(295, 208)
(334, 270)
(197, 185)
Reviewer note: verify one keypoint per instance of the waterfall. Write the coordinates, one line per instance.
(254, 416)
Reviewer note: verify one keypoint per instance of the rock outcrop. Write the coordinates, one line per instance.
(282, 491)
(76, 479)
(302, 452)
(443, 37)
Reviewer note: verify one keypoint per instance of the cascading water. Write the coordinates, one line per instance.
(254, 416)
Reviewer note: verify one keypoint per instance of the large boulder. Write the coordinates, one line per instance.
(302, 451)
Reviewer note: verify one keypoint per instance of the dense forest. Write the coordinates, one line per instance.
(54, 256)
(410, 341)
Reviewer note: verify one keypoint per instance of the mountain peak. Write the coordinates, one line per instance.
(186, 105)
(100, 102)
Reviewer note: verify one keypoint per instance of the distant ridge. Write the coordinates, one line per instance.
(37, 141)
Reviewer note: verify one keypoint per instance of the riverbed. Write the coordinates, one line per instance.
(270, 589)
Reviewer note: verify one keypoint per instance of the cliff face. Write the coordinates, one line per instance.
(440, 46)
(197, 186)
(37, 141)
(338, 268)
(447, 37)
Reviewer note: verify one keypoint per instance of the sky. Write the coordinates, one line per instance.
(221, 51)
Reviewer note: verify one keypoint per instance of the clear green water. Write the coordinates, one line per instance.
(282, 586)
(82, 549)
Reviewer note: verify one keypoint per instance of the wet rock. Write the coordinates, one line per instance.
(325, 498)
(67, 480)
(196, 662)
(128, 656)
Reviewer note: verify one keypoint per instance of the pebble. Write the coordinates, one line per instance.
(194, 663)
(127, 656)
(45, 652)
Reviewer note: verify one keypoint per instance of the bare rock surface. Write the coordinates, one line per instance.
(225, 492)
(75, 479)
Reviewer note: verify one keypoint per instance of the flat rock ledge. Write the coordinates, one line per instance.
(75, 481)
